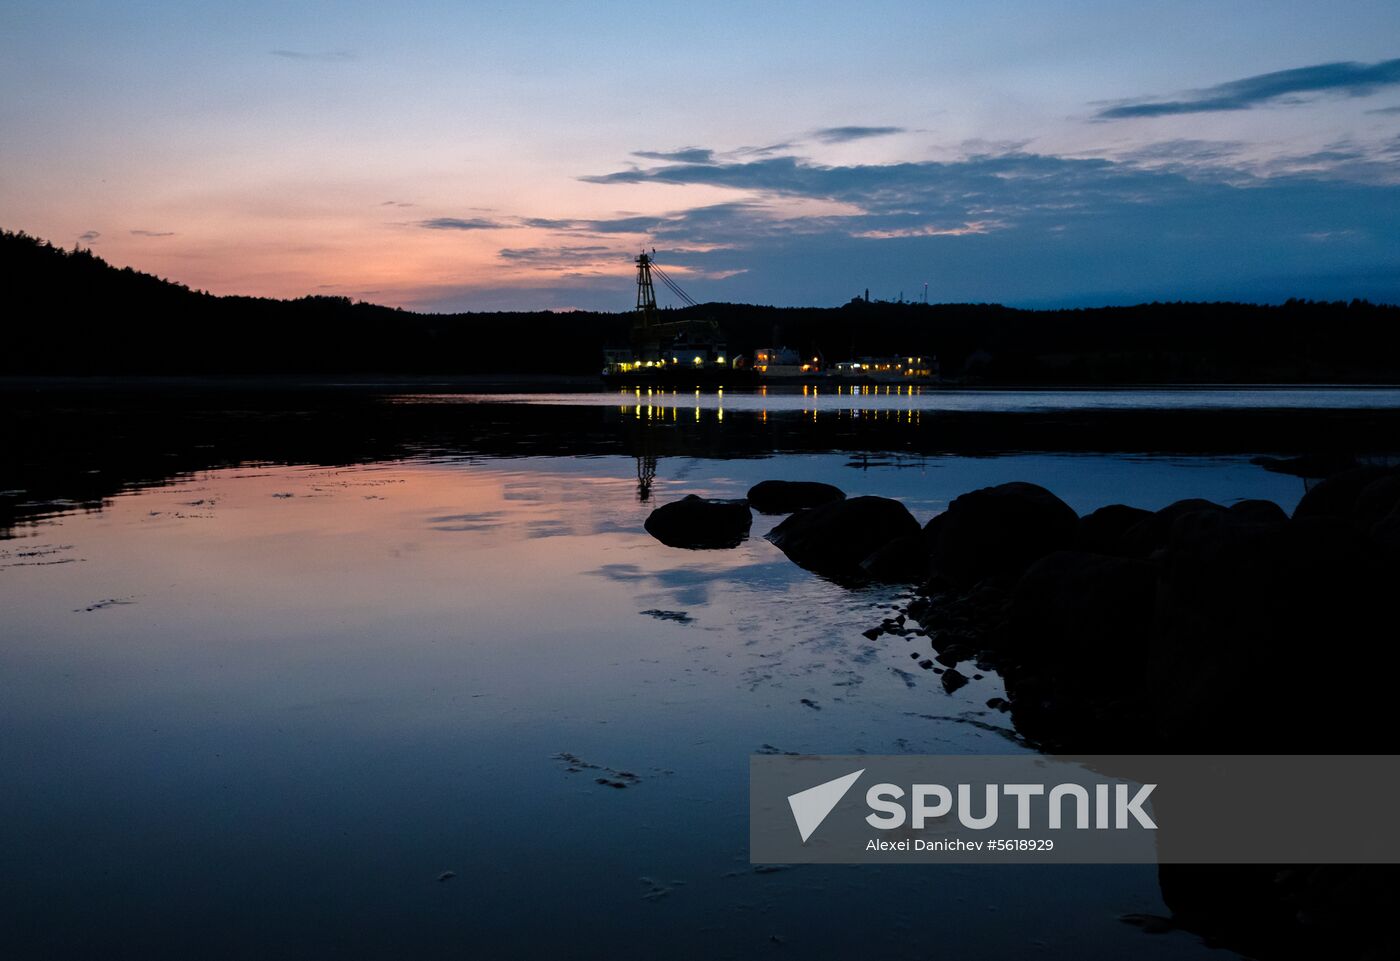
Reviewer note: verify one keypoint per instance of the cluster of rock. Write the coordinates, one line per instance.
(1197, 628)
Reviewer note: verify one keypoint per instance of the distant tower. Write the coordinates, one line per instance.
(646, 294)
(926, 292)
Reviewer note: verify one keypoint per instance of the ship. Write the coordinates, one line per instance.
(670, 353)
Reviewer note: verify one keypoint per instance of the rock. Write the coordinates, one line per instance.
(1152, 533)
(1386, 533)
(1241, 612)
(1103, 531)
(695, 523)
(999, 531)
(953, 679)
(1257, 512)
(837, 537)
(1377, 500)
(1080, 626)
(904, 560)
(786, 497)
(1337, 495)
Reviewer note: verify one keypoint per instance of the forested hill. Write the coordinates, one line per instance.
(72, 313)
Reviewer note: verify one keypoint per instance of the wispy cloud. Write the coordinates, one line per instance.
(153, 233)
(1386, 110)
(88, 236)
(461, 223)
(397, 203)
(553, 258)
(685, 155)
(1284, 86)
(845, 134)
(329, 56)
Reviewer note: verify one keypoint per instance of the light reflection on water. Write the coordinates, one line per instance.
(277, 703)
(909, 402)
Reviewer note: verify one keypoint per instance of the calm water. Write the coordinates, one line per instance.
(259, 711)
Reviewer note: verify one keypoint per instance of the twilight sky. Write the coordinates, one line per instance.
(479, 155)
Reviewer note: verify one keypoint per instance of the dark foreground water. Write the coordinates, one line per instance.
(259, 710)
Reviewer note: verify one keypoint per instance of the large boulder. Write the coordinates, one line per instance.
(999, 531)
(1254, 620)
(1104, 531)
(904, 560)
(1075, 648)
(696, 523)
(785, 497)
(1154, 532)
(837, 537)
(1337, 495)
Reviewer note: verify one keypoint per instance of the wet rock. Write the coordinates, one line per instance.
(786, 497)
(1104, 531)
(904, 560)
(999, 531)
(697, 523)
(953, 679)
(836, 537)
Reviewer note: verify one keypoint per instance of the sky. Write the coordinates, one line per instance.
(483, 155)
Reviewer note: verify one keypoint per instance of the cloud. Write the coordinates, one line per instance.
(688, 155)
(553, 258)
(397, 203)
(461, 223)
(325, 56)
(153, 233)
(1182, 218)
(1386, 110)
(88, 236)
(846, 134)
(627, 224)
(1287, 86)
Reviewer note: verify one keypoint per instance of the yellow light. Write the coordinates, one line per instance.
(698, 360)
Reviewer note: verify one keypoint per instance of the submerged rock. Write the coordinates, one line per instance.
(697, 523)
(786, 497)
(837, 537)
(999, 531)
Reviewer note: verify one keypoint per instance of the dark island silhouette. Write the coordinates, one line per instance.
(72, 313)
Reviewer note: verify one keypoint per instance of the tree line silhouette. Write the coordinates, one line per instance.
(73, 313)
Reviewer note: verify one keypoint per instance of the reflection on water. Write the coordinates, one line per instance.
(895, 399)
(262, 710)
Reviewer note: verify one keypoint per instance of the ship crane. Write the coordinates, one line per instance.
(689, 350)
(646, 291)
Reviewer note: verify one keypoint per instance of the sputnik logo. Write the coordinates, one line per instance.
(810, 807)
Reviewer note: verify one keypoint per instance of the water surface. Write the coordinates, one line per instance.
(258, 711)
